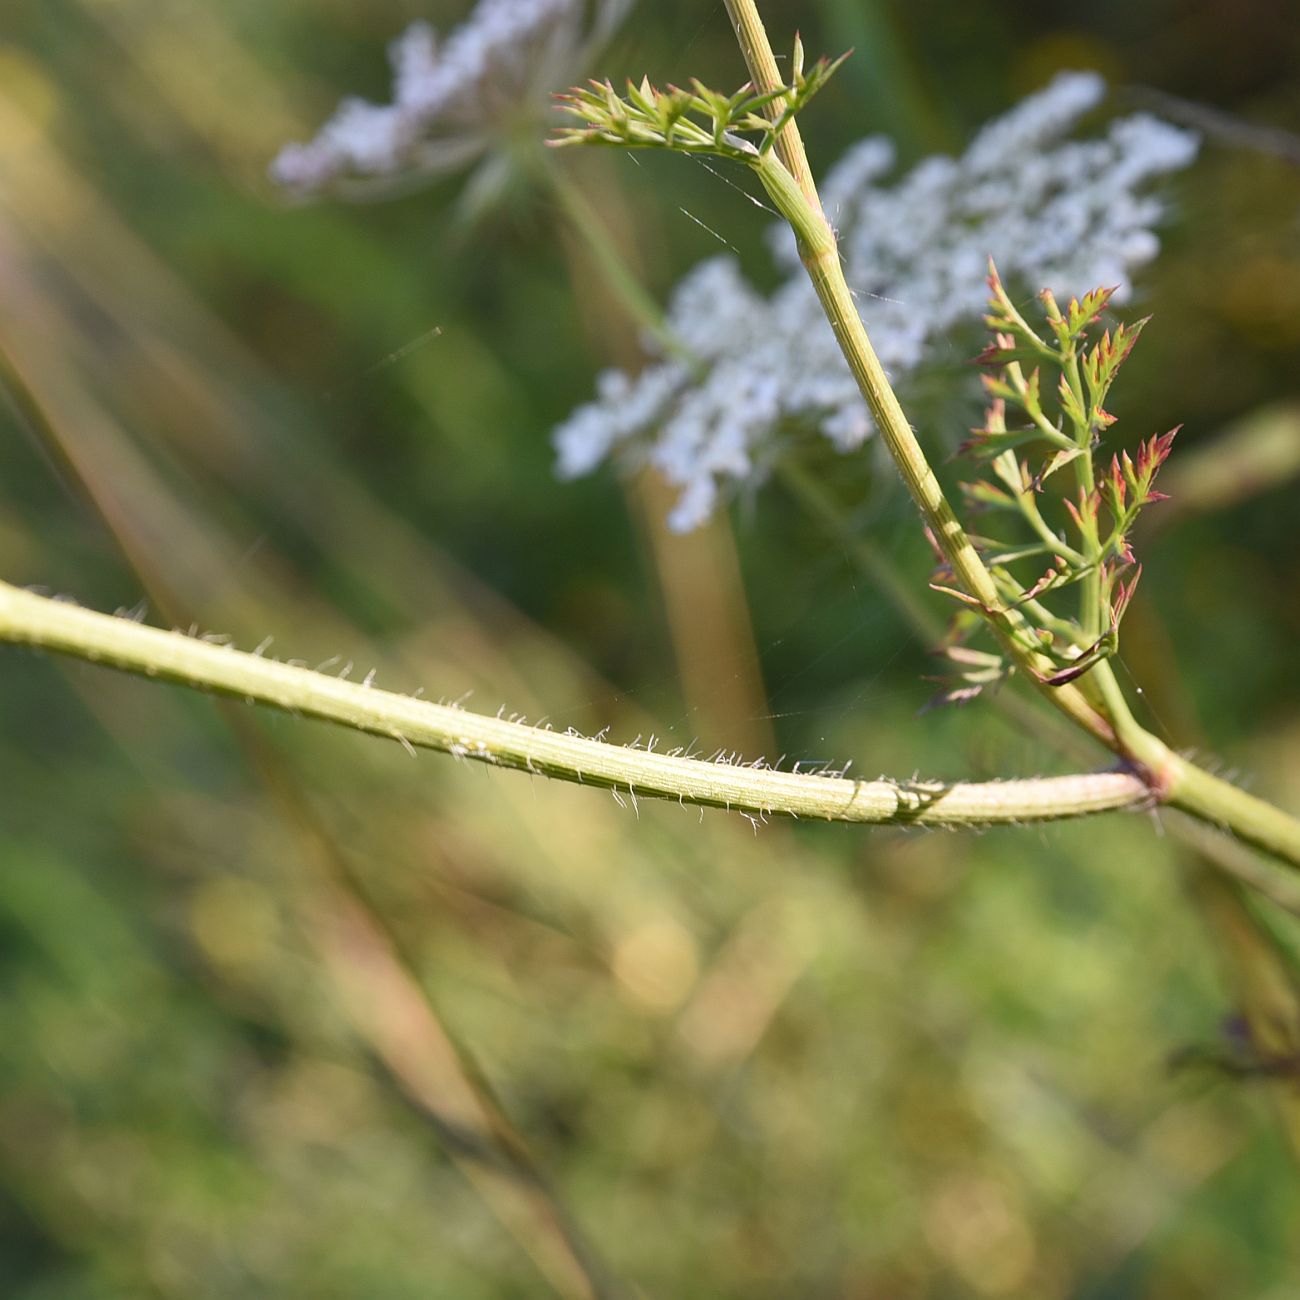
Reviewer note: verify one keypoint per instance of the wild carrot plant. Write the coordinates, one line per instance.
(1037, 556)
(1046, 420)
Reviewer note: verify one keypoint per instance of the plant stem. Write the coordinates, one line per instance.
(26, 618)
(1171, 778)
(821, 258)
(766, 76)
(1091, 615)
(1196, 830)
(1182, 784)
(629, 290)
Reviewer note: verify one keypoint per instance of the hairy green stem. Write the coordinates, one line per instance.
(1172, 778)
(26, 618)
(1091, 615)
(766, 76)
(1182, 784)
(821, 258)
(1197, 830)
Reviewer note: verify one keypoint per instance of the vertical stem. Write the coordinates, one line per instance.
(1171, 778)
(627, 288)
(766, 76)
(821, 259)
(789, 182)
(1091, 616)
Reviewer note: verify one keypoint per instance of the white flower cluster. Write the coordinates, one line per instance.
(451, 98)
(1053, 213)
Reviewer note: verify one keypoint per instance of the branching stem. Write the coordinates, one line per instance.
(1155, 773)
(27, 618)
(1172, 778)
(821, 258)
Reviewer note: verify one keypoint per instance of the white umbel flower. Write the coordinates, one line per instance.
(453, 99)
(1066, 215)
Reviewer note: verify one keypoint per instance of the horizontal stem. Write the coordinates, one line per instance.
(26, 618)
(1171, 778)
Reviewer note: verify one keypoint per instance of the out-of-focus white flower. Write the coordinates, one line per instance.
(1053, 213)
(453, 100)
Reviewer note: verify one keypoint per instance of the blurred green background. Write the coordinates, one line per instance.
(287, 1013)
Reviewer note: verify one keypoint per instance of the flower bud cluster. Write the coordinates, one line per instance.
(695, 120)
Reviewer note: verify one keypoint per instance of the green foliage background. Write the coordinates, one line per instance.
(805, 1061)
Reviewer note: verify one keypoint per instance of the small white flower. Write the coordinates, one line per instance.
(1052, 213)
(452, 100)
(1037, 121)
